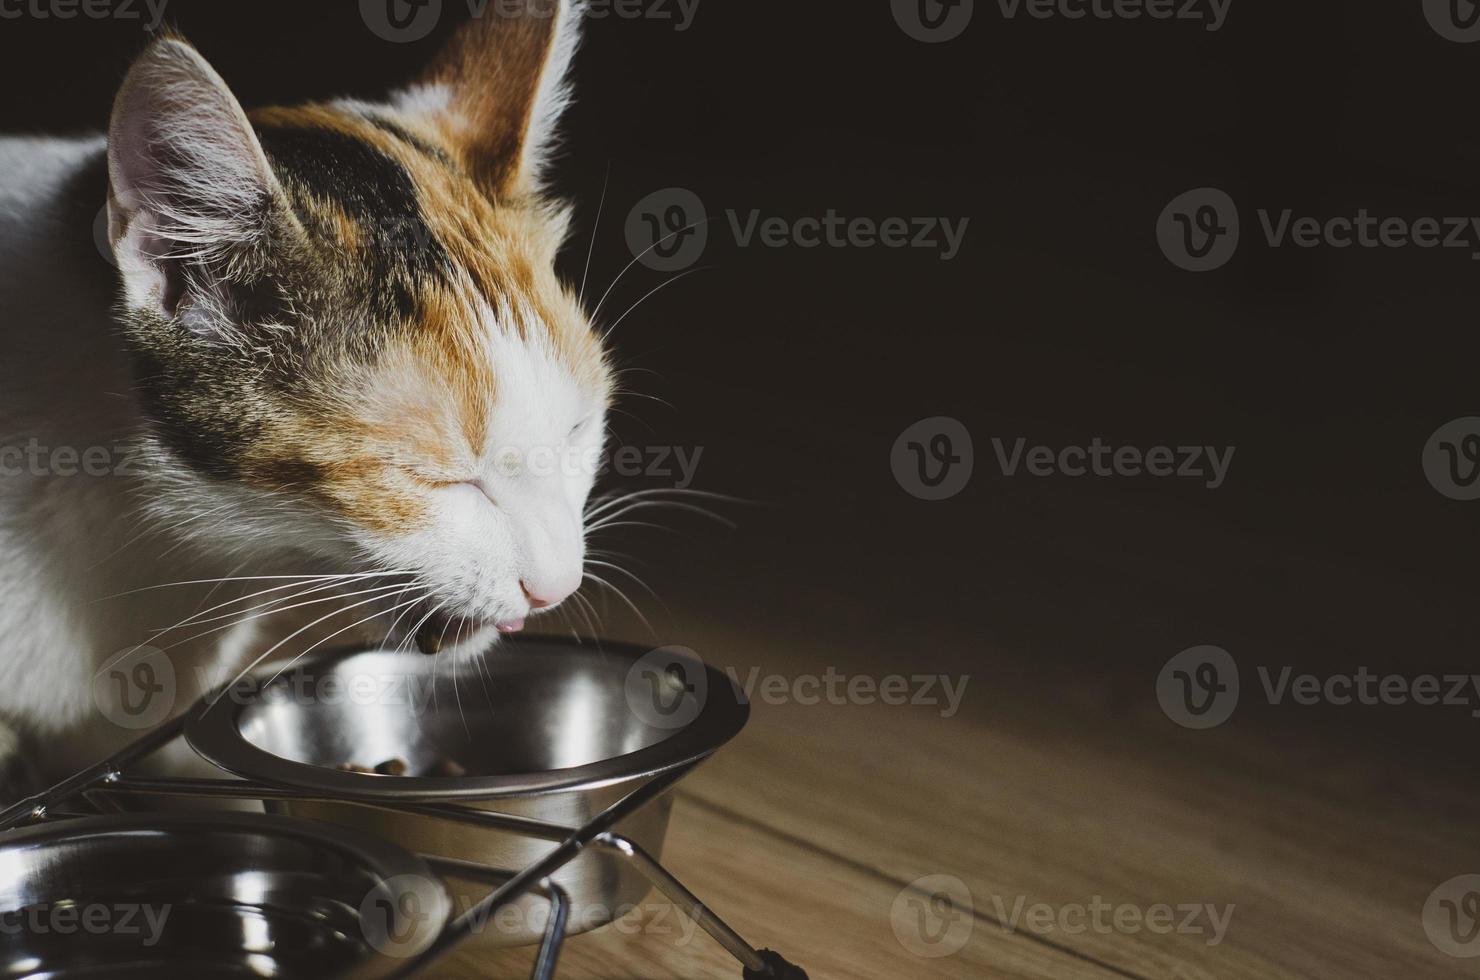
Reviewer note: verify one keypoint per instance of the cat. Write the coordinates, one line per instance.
(334, 343)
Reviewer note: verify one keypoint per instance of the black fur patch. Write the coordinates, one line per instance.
(182, 390)
(377, 193)
(410, 139)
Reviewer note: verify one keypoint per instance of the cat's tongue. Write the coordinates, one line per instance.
(512, 626)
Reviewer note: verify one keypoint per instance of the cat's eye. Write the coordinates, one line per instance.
(433, 480)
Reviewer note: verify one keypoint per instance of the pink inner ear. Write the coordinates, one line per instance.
(187, 177)
(180, 147)
(154, 251)
(133, 166)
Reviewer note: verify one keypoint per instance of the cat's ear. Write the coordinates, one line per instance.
(498, 89)
(191, 194)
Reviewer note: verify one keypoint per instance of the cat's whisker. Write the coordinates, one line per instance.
(652, 398)
(596, 227)
(588, 613)
(620, 595)
(320, 642)
(195, 619)
(607, 502)
(437, 666)
(689, 492)
(199, 606)
(415, 631)
(614, 555)
(292, 636)
(671, 505)
(618, 568)
(400, 647)
(641, 582)
(390, 630)
(479, 666)
(483, 675)
(650, 293)
(381, 591)
(669, 493)
(245, 578)
(153, 637)
(237, 622)
(456, 691)
(609, 525)
(615, 410)
(638, 258)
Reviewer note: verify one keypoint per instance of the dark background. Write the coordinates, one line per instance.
(1059, 321)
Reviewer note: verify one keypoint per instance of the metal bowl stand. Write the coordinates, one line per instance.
(98, 785)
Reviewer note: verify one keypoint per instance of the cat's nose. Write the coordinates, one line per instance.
(535, 601)
(543, 594)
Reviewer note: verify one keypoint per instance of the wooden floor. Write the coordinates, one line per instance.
(810, 832)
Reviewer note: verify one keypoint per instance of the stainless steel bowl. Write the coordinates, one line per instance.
(539, 728)
(210, 895)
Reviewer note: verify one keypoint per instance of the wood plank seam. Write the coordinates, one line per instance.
(862, 868)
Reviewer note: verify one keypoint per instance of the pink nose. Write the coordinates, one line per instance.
(541, 596)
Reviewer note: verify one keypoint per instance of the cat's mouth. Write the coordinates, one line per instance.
(442, 628)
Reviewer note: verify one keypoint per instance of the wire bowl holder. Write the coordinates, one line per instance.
(652, 770)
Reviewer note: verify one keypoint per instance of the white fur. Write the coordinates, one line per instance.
(504, 524)
(554, 93)
(423, 99)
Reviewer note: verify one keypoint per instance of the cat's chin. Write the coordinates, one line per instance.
(444, 631)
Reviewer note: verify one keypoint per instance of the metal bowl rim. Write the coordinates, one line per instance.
(381, 857)
(216, 736)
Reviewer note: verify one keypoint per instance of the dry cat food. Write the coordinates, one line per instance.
(398, 767)
(390, 767)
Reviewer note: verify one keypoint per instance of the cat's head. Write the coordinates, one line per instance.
(348, 334)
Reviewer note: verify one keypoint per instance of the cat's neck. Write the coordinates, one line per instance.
(66, 373)
(71, 491)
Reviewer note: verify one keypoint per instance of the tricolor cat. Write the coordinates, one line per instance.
(332, 341)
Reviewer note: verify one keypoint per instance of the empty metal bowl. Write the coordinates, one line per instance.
(210, 895)
(539, 728)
